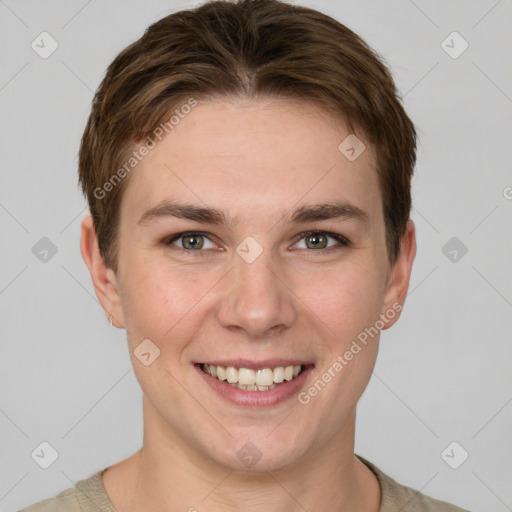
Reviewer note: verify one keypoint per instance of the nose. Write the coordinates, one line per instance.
(256, 298)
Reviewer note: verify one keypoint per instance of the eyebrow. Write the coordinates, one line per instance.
(208, 215)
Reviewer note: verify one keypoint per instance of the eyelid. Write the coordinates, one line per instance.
(172, 238)
(342, 240)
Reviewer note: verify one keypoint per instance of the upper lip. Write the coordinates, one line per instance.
(251, 364)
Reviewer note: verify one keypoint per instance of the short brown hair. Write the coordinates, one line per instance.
(245, 48)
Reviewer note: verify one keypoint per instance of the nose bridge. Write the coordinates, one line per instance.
(256, 300)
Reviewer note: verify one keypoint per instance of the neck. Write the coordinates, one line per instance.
(168, 473)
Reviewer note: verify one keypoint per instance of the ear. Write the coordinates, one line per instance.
(103, 278)
(398, 281)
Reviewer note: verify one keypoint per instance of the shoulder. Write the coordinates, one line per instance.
(87, 495)
(63, 502)
(399, 497)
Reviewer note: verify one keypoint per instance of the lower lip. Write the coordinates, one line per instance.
(256, 398)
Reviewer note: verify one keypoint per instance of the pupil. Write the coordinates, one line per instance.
(192, 241)
(317, 240)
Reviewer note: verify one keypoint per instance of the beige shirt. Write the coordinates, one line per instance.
(89, 496)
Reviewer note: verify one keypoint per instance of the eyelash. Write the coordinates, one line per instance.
(342, 241)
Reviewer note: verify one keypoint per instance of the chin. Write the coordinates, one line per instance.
(258, 454)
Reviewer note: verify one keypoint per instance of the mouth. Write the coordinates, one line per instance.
(264, 378)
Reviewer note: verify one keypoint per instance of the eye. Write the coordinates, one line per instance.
(323, 241)
(190, 241)
(319, 240)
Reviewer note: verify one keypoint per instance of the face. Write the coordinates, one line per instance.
(248, 239)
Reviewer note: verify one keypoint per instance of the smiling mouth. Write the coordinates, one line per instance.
(262, 379)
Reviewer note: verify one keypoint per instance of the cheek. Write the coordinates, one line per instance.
(347, 304)
(346, 299)
(159, 300)
(153, 303)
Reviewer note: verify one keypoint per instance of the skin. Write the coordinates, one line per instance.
(258, 161)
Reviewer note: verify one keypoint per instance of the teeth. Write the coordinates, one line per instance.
(253, 388)
(245, 376)
(221, 371)
(251, 380)
(231, 375)
(278, 374)
(264, 377)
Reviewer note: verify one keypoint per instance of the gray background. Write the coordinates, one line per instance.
(444, 371)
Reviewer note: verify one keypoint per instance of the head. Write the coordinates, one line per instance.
(249, 124)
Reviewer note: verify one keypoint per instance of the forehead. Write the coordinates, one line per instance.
(255, 156)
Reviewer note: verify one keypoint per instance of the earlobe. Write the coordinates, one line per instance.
(400, 275)
(103, 278)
